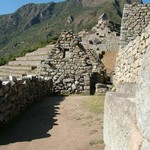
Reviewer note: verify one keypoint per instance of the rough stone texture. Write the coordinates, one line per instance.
(145, 145)
(106, 148)
(126, 119)
(71, 66)
(104, 36)
(101, 88)
(128, 88)
(135, 18)
(129, 58)
(120, 130)
(143, 97)
(18, 94)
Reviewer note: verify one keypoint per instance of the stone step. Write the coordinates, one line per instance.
(25, 68)
(37, 57)
(120, 119)
(50, 45)
(37, 53)
(41, 51)
(22, 62)
(46, 47)
(27, 64)
(14, 71)
(5, 74)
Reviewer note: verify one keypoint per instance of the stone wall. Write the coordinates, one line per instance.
(72, 68)
(17, 94)
(130, 57)
(126, 112)
(135, 18)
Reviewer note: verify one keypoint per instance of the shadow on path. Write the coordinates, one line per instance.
(34, 124)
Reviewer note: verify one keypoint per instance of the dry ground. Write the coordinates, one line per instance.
(57, 123)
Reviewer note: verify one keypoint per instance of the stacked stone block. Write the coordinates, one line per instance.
(17, 94)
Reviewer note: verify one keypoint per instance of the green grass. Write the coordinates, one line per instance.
(95, 104)
(95, 142)
(11, 57)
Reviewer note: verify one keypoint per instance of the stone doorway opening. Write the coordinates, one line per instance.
(94, 79)
(66, 53)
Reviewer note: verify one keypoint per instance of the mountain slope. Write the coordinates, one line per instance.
(34, 25)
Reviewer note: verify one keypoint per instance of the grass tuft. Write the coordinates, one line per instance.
(95, 104)
(95, 142)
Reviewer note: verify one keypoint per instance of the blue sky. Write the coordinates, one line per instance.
(9, 6)
(146, 1)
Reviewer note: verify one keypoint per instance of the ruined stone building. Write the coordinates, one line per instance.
(103, 36)
(73, 68)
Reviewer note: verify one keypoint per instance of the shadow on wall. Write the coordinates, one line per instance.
(96, 78)
(33, 124)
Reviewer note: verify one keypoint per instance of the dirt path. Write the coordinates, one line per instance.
(56, 123)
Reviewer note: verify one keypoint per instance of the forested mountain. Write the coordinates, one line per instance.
(34, 25)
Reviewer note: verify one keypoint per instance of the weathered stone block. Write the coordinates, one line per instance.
(76, 82)
(87, 83)
(145, 145)
(120, 130)
(86, 78)
(128, 88)
(73, 87)
(101, 88)
(69, 80)
(143, 97)
(87, 87)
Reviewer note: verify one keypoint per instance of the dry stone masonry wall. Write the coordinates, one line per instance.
(127, 110)
(135, 18)
(130, 57)
(17, 94)
(71, 66)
